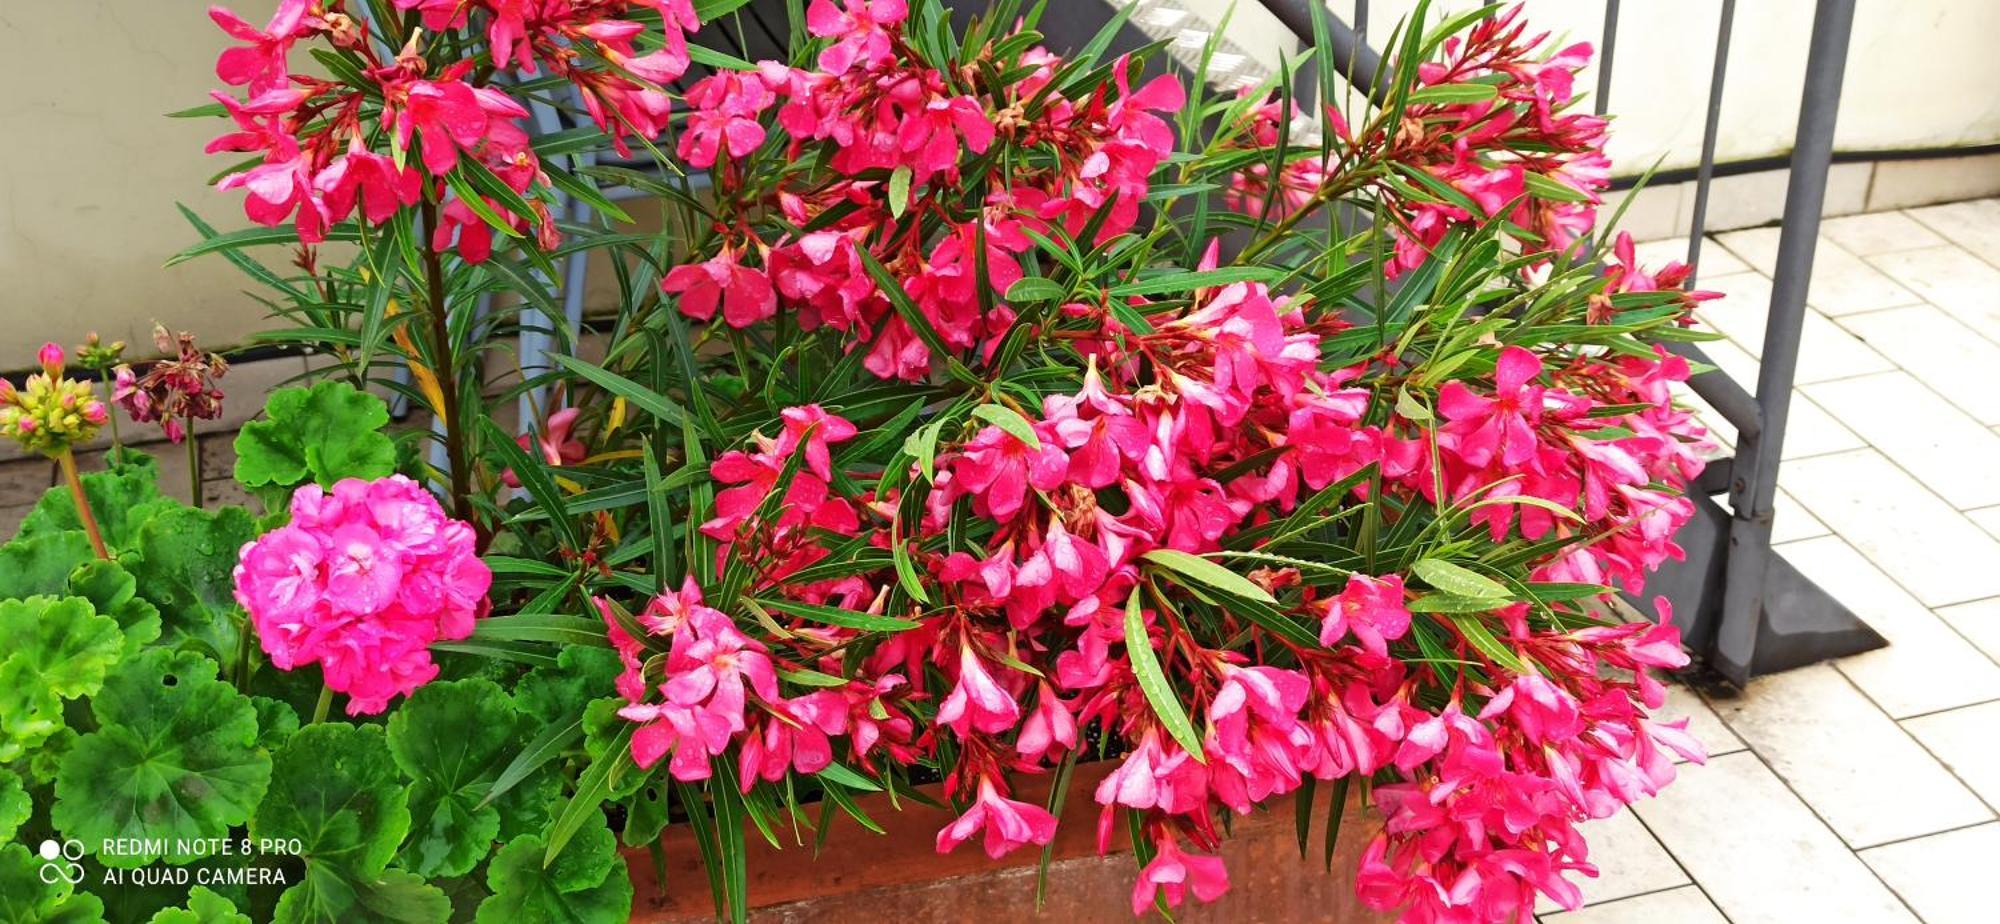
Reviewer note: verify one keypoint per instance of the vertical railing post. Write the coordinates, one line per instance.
(1755, 475)
(1698, 225)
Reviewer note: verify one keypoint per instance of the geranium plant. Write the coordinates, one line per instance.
(985, 408)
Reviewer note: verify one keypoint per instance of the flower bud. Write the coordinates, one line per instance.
(51, 357)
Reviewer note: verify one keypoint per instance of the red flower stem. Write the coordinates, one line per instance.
(67, 460)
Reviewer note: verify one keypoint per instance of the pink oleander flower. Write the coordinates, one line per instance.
(1008, 824)
(361, 582)
(744, 293)
(555, 443)
(260, 64)
(1371, 609)
(978, 703)
(1175, 872)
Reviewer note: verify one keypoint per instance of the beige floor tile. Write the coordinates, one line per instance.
(1685, 905)
(1825, 350)
(1927, 666)
(1715, 260)
(1629, 862)
(1987, 518)
(1702, 721)
(1952, 279)
(1942, 353)
(1973, 225)
(1946, 878)
(1978, 621)
(1760, 853)
(1854, 766)
(1965, 741)
(1878, 232)
(1943, 447)
(1900, 184)
(1792, 522)
(1916, 538)
(1810, 430)
(1842, 283)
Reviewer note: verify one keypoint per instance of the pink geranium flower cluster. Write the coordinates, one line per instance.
(361, 582)
(330, 147)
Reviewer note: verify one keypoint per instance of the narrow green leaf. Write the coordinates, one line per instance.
(1209, 574)
(835, 616)
(1458, 581)
(1011, 421)
(1146, 669)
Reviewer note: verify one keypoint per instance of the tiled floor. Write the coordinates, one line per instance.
(1863, 790)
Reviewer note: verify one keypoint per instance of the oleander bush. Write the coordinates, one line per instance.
(978, 408)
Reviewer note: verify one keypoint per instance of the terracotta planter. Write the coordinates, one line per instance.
(864, 876)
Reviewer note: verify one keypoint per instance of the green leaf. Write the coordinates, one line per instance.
(1454, 603)
(1146, 669)
(1035, 289)
(535, 479)
(1208, 574)
(899, 190)
(452, 739)
(1010, 421)
(26, 899)
(1185, 282)
(15, 806)
(185, 565)
(322, 434)
(1451, 93)
(585, 883)
(1482, 638)
(42, 564)
(276, 722)
(203, 907)
(336, 789)
(174, 757)
(1457, 580)
(114, 592)
(835, 616)
(1545, 188)
(122, 499)
(644, 399)
(56, 649)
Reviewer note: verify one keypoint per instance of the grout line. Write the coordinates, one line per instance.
(1927, 714)
(1864, 555)
(1919, 837)
(1751, 749)
(1919, 742)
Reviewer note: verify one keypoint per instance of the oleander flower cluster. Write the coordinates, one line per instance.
(416, 121)
(361, 582)
(1237, 528)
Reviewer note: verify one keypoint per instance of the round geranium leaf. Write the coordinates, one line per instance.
(335, 789)
(328, 432)
(587, 883)
(203, 907)
(57, 648)
(276, 721)
(330, 895)
(15, 806)
(115, 593)
(184, 564)
(174, 759)
(453, 739)
(26, 898)
(64, 642)
(40, 564)
(122, 499)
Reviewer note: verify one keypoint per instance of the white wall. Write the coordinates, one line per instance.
(1920, 73)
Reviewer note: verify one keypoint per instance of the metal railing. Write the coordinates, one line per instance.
(1746, 611)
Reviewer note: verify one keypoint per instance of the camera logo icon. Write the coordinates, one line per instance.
(59, 862)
